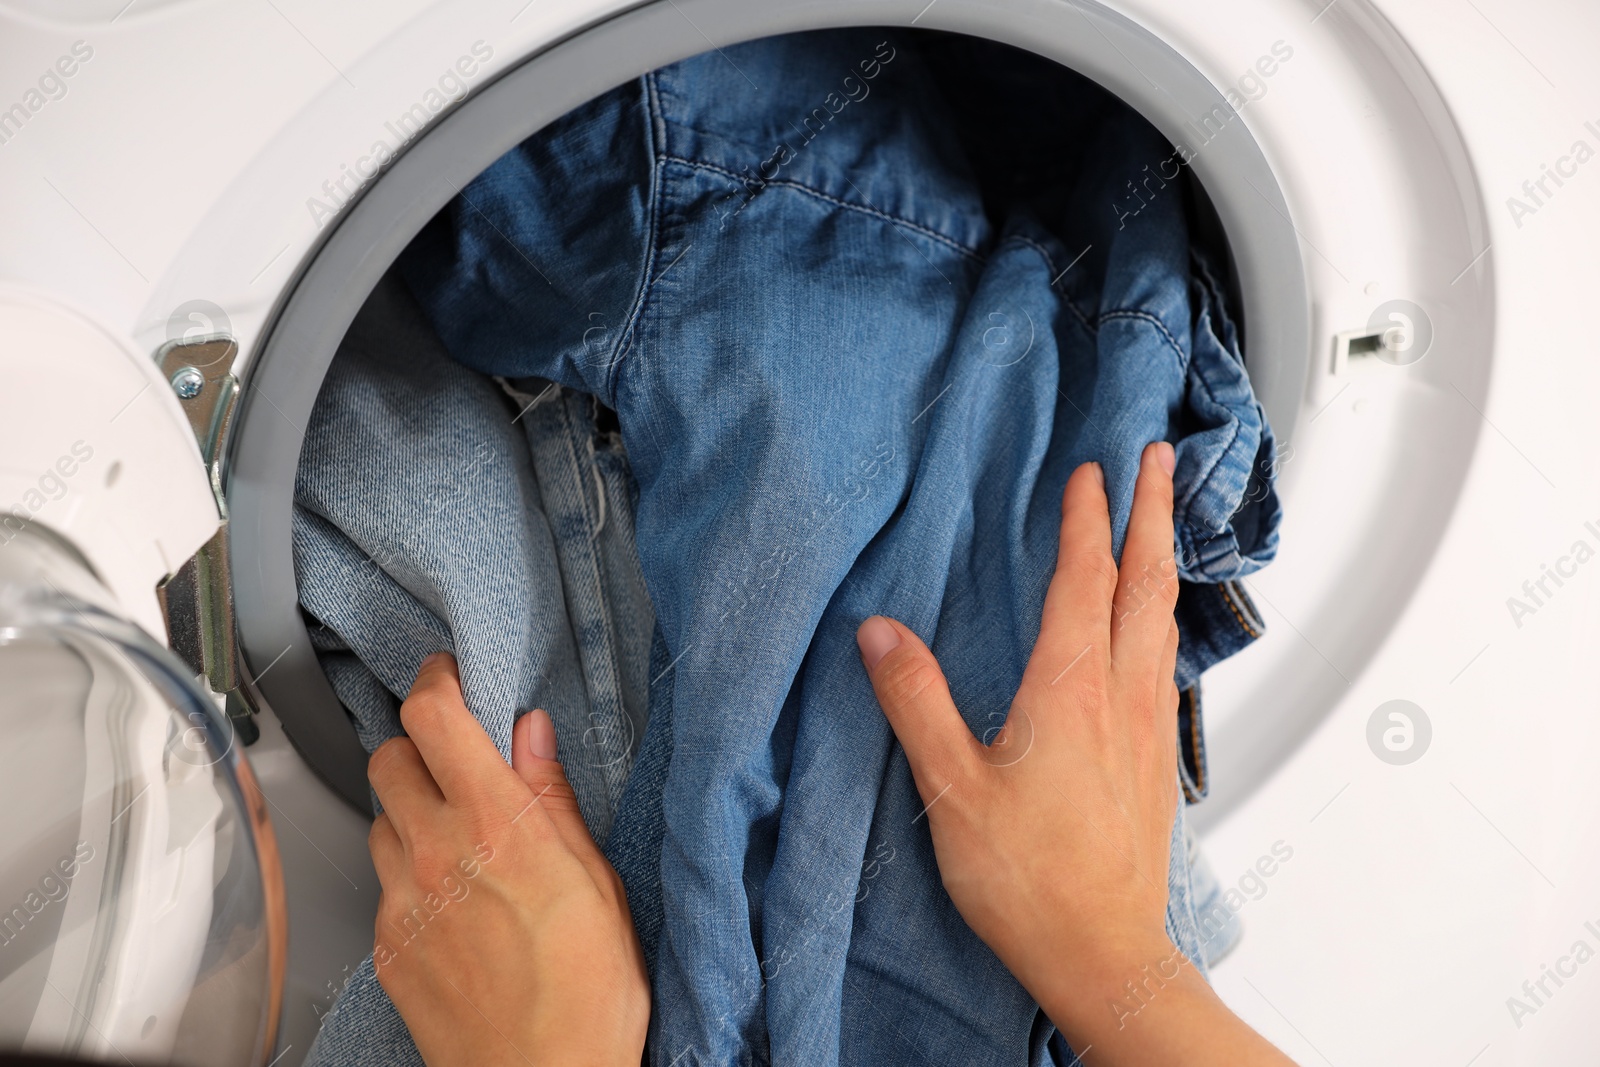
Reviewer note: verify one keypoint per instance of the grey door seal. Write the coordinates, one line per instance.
(286, 373)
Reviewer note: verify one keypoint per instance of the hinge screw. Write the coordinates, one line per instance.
(187, 382)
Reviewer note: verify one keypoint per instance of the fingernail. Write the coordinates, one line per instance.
(1166, 456)
(541, 734)
(1099, 474)
(877, 639)
(435, 658)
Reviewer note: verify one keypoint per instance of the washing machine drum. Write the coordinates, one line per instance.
(138, 878)
(285, 375)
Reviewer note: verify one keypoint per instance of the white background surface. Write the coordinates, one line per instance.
(1421, 897)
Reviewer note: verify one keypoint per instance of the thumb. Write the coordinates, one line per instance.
(533, 757)
(916, 700)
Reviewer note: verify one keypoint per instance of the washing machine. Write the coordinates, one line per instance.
(198, 196)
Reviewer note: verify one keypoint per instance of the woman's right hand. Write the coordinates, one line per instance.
(1054, 841)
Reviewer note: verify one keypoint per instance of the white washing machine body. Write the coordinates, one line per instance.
(196, 196)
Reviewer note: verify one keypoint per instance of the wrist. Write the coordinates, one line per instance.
(590, 1035)
(1100, 987)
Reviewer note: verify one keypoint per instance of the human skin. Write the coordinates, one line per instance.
(1057, 859)
(533, 958)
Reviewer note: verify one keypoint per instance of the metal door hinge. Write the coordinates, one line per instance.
(197, 599)
(201, 374)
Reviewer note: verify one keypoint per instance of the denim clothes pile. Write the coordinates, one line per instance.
(854, 345)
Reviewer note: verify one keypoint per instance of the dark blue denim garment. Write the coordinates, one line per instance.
(843, 390)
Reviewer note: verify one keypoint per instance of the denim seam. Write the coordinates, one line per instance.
(1247, 607)
(657, 112)
(1050, 265)
(1197, 741)
(1184, 506)
(1145, 316)
(1214, 290)
(625, 339)
(1249, 630)
(1044, 253)
(1088, 324)
(569, 428)
(582, 471)
(884, 216)
(710, 135)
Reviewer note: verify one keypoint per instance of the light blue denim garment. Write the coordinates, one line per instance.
(1220, 925)
(436, 512)
(842, 393)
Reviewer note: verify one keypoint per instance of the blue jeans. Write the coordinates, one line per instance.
(845, 389)
(438, 511)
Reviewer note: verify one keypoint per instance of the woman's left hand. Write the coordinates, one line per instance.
(503, 935)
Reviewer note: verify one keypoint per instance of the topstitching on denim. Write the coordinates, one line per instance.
(865, 209)
(1155, 323)
(654, 133)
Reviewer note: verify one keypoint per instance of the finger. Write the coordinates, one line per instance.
(1147, 582)
(1167, 686)
(915, 698)
(1077, 606)
(388, 853)
(402, 782)
(1168, 667)
(534, 758)
(452, 742)
(379, 935)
